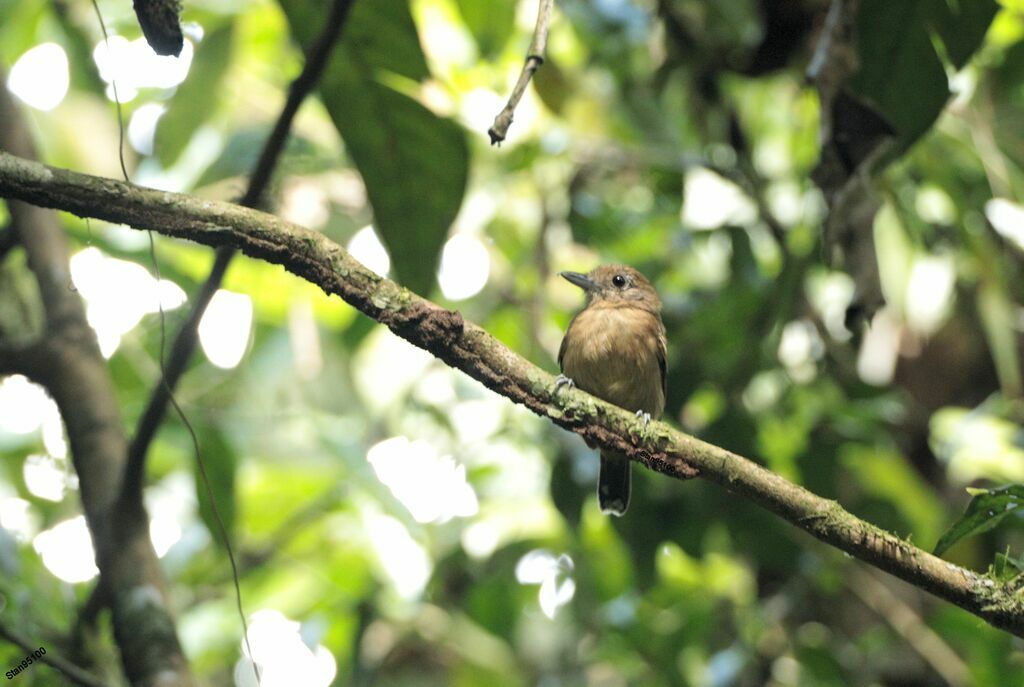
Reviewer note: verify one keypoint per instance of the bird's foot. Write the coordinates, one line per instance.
(646, 417)
(562, 380)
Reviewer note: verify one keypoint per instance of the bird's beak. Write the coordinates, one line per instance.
(580, 280)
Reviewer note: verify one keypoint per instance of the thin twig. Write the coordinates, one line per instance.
(542, 263)
(534, 59)
(113, 86)
(835, 56)
(78, 675)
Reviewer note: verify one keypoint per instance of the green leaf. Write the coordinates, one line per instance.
(962, 25)
(79, 46)
(612, 568)
(998, 319)
(1006, 567)
(887, 475)
(239, 155)
(221, 463)
(552, 86)
(190, 106)
(900, 72)
(986, 510)
(415, 166)
(490, 22)
(378, 35)
(414, 163)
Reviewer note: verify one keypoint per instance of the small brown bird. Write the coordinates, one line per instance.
(615, 349)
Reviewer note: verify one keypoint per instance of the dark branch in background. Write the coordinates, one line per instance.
(835, 55)
(301, 87)
(66, 360)
(854, 139)
(904, 620)
(467, 347)
(89, 612)
(181, 351)
(745, 175)
(185, 341)
(159, 22)
(30, 360)
(534, 59)
(75, 674)
(8, 240)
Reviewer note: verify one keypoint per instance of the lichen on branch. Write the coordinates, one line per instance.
(467, 347)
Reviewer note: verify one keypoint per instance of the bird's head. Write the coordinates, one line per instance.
(616, 286)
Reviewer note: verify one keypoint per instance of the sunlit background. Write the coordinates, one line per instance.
(361, 475)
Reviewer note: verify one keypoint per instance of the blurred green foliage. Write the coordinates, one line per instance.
(674, 135)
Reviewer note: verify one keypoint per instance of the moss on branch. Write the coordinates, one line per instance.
(467, 347)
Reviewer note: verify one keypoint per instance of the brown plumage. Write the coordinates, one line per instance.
(615, 349)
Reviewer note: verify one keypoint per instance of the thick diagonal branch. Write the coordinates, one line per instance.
(467, 347)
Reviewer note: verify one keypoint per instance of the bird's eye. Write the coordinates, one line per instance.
(619, 281)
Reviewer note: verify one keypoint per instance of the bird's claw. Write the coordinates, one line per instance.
(646, 417)
(562, 380)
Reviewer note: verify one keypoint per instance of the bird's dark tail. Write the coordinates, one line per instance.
(613, 483)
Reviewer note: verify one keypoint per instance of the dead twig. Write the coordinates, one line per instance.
(534, 59)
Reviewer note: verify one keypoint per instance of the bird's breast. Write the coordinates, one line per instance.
(613, 354)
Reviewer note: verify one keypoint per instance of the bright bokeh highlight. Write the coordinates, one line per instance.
(365, 246)
(929, 295)
(799, 347)
(40, 77)
(18, 518)
(385, 367)
(171, 504)
(709, 201)
(225, 328)
(404, 562)
(66, 550)
(118, 294)
(977, 446)
(553, 574)
(44, 477)
(133, 65)
(1007, 218)
(142, 127)
(433, 487)
(25, 406)
(879, 351)
(283, 658)
(465, 267)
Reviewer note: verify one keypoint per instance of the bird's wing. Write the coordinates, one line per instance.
(662, 354)
(565, 343)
